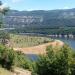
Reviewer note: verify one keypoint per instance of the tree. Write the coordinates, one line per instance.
(3, 11)
(10, 59)
(4, 36)
(55, 62)
(7, 57)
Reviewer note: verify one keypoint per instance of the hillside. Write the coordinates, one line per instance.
(50, 17)
(41, 21)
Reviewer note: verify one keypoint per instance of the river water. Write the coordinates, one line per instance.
(69, 41)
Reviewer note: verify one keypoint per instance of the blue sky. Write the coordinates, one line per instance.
(39, 4)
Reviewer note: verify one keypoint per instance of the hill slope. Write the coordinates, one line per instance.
(40, 20)
(64, 17)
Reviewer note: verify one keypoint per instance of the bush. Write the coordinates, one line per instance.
(10, 58)
(6, 57)
(22, 61)
(55, 62)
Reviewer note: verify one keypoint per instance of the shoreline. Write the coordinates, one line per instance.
(40, 49)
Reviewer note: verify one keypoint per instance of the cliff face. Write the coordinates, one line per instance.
(22, 21)
(50, 18)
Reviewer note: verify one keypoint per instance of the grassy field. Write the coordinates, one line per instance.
(5, 72)
(27, 41)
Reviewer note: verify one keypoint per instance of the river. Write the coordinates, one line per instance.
(69, 41)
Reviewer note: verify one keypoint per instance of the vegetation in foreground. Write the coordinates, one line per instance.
(57, 61)
(27, 41)
(9, 59)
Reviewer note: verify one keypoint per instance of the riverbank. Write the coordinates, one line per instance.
(40, 49)
(21, 41)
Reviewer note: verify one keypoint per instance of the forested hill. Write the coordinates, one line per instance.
(65, 17)
(40, 19)
(61, 13)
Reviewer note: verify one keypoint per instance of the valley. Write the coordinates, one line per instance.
(37, 37)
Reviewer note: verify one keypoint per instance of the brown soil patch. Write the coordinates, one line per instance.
(40, 49)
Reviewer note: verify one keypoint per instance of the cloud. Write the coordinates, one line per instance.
(16, 1)
(66, 7)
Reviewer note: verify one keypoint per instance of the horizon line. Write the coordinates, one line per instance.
(43, 9)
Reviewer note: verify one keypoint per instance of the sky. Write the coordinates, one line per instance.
(39, 4)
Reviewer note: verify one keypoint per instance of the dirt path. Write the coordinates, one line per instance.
(40, 49)
(19, 71)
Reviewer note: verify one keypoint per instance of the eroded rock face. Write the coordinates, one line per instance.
(22, 21)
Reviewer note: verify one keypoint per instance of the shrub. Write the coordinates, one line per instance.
(22, 61)
(10, 58)
(6, 57)
(55, 62)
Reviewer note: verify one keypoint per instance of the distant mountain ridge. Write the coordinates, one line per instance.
(52, 13)
(40, 18)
